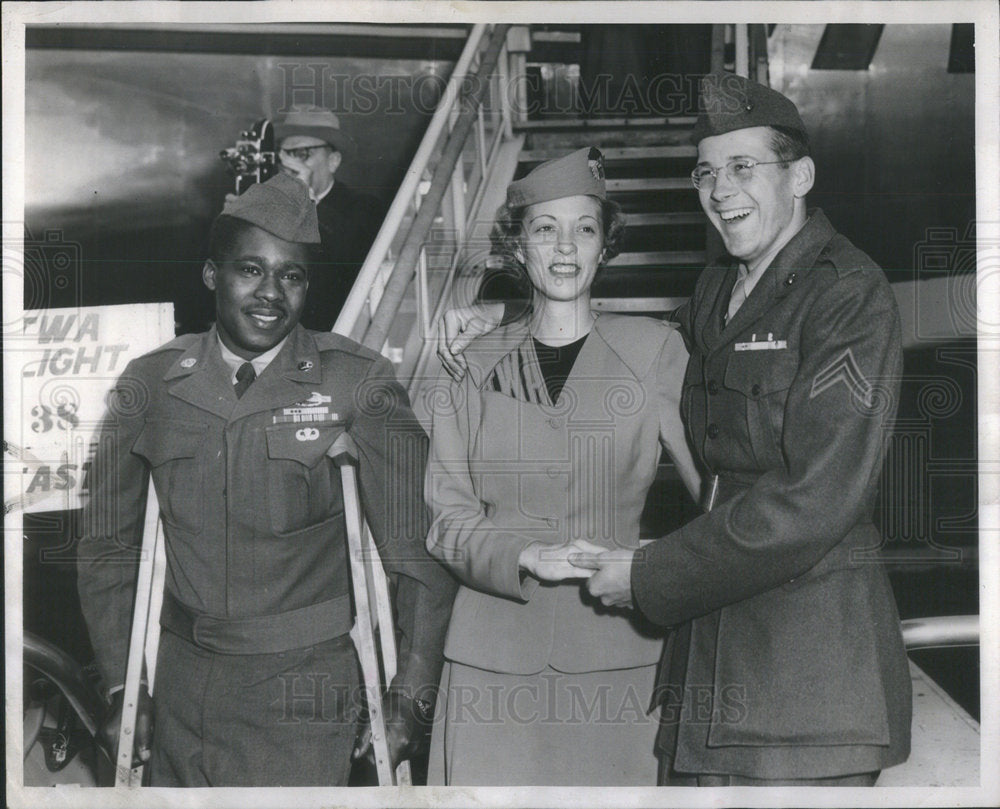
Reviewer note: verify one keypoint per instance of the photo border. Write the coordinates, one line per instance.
(984, 13)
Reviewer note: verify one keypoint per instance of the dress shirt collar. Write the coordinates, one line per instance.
(259, 363)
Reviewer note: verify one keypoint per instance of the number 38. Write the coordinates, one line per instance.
(64, 418)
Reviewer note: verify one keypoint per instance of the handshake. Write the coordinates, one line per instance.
(608, 573)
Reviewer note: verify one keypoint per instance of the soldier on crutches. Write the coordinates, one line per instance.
(256, 678)
(373, 611)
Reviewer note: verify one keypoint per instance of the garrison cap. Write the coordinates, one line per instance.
(317, 123)
(581, 172)
(281, 206)
(730, 102)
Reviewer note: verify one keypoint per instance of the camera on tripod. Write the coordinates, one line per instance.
(252, 159)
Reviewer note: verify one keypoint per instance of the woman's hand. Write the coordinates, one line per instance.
(551, 562)
(459, 328)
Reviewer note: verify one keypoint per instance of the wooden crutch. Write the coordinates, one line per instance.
(145, 636)
(372, 609)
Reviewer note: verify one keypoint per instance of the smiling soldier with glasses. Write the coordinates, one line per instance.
(737, 171)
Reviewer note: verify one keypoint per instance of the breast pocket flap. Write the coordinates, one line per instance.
(163, 440)
(758, 373)
(304, 443)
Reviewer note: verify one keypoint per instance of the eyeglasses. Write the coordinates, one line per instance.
(737, 171)
(303, 153)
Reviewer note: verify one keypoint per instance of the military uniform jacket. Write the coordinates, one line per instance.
(788, 660)
(505, 472)
(252, 506)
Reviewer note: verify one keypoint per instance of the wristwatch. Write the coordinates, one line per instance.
(424, 710)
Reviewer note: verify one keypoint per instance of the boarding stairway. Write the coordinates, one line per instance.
(433, 248)
(434, 244)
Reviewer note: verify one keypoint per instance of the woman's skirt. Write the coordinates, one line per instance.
(546, 729)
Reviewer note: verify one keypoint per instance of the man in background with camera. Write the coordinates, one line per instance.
(311, 148)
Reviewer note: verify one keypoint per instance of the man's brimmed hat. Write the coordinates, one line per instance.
(581, 172)
(314, 122)
(729, 102)
(281, 206)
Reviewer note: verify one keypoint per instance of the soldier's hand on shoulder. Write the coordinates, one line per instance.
(460, 327)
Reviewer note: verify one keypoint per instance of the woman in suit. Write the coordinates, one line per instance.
(547, 448)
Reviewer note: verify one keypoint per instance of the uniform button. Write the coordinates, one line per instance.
(550, 522)
(755, 390)
(712, 431)
(713, 387)
(555, 424)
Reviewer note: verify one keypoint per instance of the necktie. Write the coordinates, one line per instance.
(244, 378)
(739, 293)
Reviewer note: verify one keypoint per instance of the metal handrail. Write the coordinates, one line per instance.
(410, 253)
(367, 289)
(358, 296)
(940, 632)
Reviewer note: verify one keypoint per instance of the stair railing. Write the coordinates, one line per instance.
(407, 272)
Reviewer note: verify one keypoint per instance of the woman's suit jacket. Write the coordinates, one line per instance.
(504, 473)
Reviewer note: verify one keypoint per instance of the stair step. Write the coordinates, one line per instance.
(645, 282)
(609, 138)
(647, 218)
(604, 123)
(636, 304)
(659, 258)
(651, 184)
(615, 153)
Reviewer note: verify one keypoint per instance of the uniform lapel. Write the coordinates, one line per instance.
(709, 323)
(201, 378)
(780, 277)
(297, 362)
(760, 299)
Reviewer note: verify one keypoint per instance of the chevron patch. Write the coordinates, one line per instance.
(843, 369)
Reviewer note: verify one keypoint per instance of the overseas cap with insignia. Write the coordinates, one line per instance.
(729, 102)
(280, 206)
(581, 172)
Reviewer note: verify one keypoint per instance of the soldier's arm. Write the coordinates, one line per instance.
(108, 552)
(393, 454)
(669, 382)
(840, 405)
